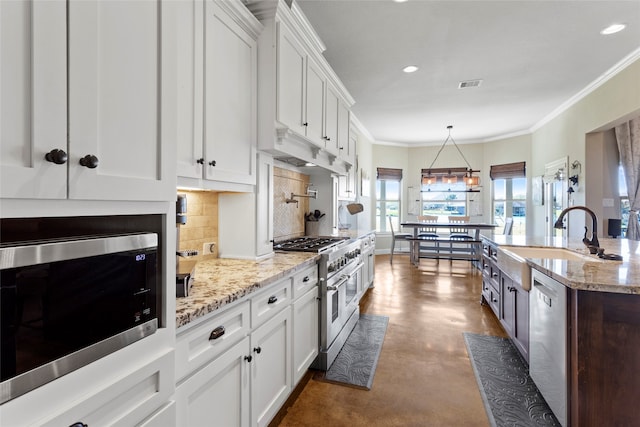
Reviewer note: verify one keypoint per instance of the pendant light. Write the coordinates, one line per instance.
(451, 175)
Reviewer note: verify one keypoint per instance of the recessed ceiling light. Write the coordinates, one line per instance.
(410, 69)
(612, 29)
(400, 1)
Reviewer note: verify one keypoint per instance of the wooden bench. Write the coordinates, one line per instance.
(466, 249)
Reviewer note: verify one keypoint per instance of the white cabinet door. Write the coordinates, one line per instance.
(331, 121)
(190, 92)
(230, 99)
(305, 333)
(271, 367)
(315, 104)
(264, 205)
(33, 116)
(291, 63)
(218, 395)
(115, 133)
(346, 146)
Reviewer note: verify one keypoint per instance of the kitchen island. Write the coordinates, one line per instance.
(603, 324)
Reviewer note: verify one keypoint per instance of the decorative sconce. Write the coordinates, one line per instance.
(573, 179)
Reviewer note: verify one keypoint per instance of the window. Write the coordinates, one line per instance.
(388, 190)
(444, 199)
(510, 195)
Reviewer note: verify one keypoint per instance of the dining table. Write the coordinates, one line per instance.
(471, 245)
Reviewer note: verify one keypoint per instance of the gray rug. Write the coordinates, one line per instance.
(356, 363)
(510, 396)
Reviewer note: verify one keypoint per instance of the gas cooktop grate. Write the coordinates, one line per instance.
(308, 244)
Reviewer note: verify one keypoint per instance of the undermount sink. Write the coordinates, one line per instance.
(512, 260)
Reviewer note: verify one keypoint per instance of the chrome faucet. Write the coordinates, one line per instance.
(592, 244)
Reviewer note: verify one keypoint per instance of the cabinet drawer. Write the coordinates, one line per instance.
(126, 401)
(204, 342)
(269, 302)
(304, 280)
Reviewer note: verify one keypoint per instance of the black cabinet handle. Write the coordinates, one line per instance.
(59, 157)
(511, 288)
(217, 333)
(342, 148)
(89, 161)
(212, 163)
(272, 299)
(78, 424)
(305, 124)
(306, 279)
(248, 358)
(257, 350)
(200, 161)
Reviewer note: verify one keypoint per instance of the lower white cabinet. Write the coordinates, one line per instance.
(233, 375)
(218, 394)
(305, 333)
(270, 367)
(126, 400)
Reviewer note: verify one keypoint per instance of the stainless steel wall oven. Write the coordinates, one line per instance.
(66, 302)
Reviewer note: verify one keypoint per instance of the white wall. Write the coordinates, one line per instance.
(565, 134)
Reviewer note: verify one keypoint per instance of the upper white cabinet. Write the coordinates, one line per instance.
(217, 95)
(299, 96)
(81, 90)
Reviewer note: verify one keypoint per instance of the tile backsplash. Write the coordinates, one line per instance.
(202, 223)
(288, 218)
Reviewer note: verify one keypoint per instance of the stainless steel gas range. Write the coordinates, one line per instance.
(340, 271)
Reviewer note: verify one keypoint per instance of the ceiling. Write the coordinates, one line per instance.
(532, 57)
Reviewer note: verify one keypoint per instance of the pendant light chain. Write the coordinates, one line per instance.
(450, 138)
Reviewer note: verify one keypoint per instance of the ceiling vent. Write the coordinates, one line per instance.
(469, 83)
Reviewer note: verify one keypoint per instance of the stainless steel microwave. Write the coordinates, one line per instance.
(67, 302)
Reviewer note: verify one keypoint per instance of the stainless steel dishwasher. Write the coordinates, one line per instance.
(548, 341)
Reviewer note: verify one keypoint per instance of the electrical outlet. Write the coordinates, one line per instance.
(209, 248)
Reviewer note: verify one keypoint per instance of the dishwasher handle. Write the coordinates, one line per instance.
(545, 294)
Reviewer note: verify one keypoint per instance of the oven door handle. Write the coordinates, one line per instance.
(344, 279)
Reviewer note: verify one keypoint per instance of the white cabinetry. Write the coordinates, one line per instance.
(264, 205)
(305, 321)
(125, 398)
(299, 94)
(234, 367)
(218, 394)
(369, 260)
(270, 367)
(97, 70)
(217, 95)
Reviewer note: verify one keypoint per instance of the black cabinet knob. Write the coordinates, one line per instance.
(305, 124)
(89, 161)
(248, 358)
(212, 163)
(272, 299)
(257, 349)
(59, 157)
(200, 161)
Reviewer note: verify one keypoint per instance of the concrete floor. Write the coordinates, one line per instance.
(424, 376)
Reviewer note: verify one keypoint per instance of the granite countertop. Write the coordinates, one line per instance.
(597, 275)
(221, 281)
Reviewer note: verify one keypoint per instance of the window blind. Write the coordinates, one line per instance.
(508, 170)
(389, 173)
